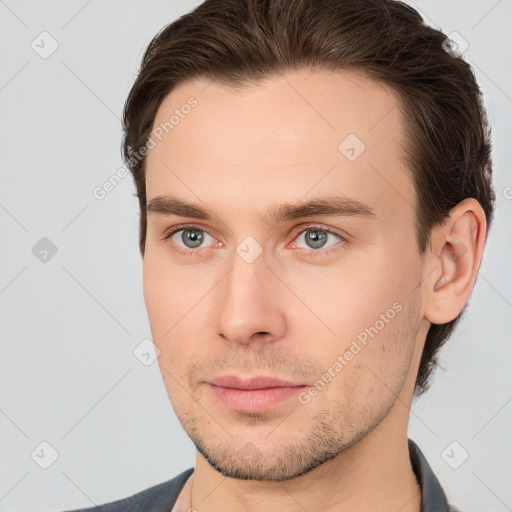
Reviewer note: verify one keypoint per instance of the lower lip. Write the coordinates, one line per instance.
(254, 400)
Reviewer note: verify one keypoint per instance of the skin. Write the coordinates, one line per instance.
(290, 313)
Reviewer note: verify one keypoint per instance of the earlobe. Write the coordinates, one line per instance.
(456, 253)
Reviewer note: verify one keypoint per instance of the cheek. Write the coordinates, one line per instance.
(172, 295)
(157, 298)
(375, 369)
(171, 329)
(350, 296)
(170, 292)
(368, 316)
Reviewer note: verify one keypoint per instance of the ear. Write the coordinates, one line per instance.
(453, 261)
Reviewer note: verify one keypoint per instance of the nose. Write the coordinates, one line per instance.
(249, 306)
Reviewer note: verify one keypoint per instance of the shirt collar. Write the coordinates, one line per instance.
(433, 498)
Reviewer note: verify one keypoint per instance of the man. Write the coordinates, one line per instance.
(314, 183)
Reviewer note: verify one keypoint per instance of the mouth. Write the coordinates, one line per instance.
(254, 394)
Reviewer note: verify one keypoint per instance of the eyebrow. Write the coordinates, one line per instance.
(331, 205)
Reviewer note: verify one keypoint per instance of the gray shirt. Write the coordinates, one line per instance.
(162, 497)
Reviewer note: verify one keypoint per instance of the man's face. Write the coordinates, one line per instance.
(330, 304)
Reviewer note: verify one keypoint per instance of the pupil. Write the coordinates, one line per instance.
(191, 235)
(315, 239)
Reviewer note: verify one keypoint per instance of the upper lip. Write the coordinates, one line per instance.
(255, 382)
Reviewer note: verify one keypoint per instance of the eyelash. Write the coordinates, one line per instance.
(312, 252)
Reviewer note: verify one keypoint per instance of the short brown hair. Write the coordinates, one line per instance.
(241, 42)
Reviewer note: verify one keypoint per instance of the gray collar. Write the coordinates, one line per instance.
(433, 498)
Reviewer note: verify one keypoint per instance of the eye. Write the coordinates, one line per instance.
(188, 238)
(317, 237)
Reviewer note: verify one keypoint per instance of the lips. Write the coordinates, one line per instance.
(257, 382)
(253, 394)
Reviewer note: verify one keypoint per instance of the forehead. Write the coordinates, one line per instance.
(288, 136)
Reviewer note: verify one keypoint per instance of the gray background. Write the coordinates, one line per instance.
(70, 324)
